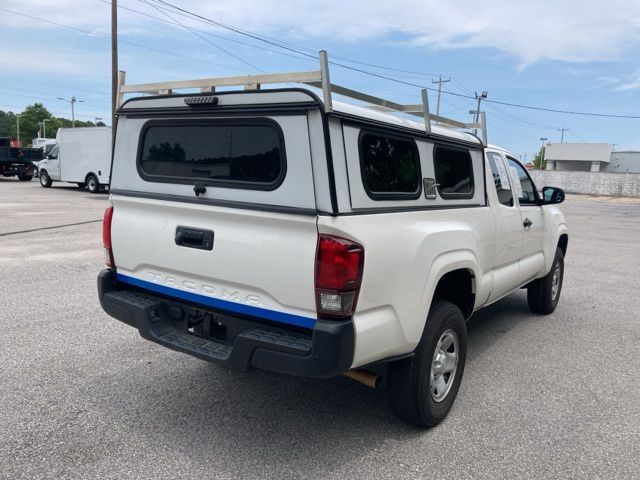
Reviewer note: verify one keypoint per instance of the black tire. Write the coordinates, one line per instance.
(82, 185)
(25, 178)
(409, 386)
(45, 180)
(541, 294)
(92, 183)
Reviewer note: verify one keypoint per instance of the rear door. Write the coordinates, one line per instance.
(218, 210)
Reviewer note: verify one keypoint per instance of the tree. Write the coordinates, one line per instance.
(7, 121)
(539, 156)
(29, 119)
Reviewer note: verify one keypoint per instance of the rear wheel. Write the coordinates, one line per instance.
(92, 183)
(422, 389)
(543, 294)
(45, 180)
(25, 178)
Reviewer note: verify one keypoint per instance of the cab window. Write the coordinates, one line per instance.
(527, 191)
(500, 179)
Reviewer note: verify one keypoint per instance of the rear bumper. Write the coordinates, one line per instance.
(324, 351)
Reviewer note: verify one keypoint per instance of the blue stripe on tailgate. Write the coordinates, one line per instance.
(258, 312)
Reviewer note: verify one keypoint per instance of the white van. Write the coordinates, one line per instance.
(82, 156)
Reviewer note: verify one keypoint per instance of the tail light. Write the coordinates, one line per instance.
(106, 237)
(339, 266)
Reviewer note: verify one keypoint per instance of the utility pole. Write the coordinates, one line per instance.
(440, 81)
(562, 134)
(114, 62)
(476, 119)
(542, 139)
(18, 128)
(72, 101)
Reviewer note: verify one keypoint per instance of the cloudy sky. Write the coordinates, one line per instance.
(555, 54)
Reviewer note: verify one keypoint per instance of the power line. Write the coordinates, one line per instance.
(205, 39)
(385, 77)
(46, 95)
(47, 84)
(164, 20)
(302, 53)
(93, 34)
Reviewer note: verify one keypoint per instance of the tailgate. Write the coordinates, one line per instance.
(217, 209)
(260, 263)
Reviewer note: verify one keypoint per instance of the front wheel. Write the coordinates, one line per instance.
(543, 294)
(422, 389)
(45, 179)
(92, 184)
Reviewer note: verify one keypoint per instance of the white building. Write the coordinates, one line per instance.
(581, 157)
(624, 161)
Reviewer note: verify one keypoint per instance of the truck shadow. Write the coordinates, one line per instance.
(260, 418)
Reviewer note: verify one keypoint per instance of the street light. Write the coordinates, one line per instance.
(72, 101)
(480, 97)
(542, 139)
(44, 127)
(98, 119)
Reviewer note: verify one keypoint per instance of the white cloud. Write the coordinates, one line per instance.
(71, 62)
(529, 31)
(632, 83)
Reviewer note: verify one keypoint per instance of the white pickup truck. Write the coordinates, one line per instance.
(278, 230)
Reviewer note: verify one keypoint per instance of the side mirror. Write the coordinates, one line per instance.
(552, 195)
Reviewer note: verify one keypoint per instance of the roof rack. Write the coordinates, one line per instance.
(317, 78)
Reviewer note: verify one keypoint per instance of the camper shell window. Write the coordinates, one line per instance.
(454, 172)
(390, 166)
(246, 154)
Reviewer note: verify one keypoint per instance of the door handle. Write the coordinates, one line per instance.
(527, 223)
(194, 238)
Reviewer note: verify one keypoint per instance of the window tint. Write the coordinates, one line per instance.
(525, 189)
(500, 179)
(243, 153)
(454, 172)
(390, 166)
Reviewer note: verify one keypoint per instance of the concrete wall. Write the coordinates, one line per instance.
(590, 183)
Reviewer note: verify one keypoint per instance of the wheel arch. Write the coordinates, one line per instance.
(89, 174)
(453, 278)
(563, 243)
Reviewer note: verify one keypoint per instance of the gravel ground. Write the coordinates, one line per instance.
(83, 396)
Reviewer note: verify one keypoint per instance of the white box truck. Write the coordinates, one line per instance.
(81, 156)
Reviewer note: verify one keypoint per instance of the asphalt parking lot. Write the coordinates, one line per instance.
(83, 396)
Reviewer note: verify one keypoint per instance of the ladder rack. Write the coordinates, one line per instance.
(318, 79)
